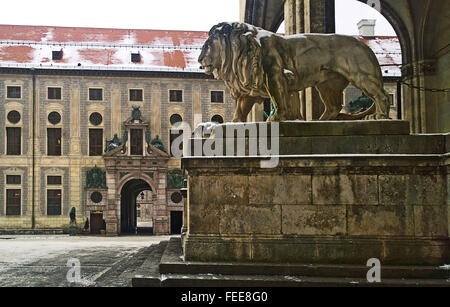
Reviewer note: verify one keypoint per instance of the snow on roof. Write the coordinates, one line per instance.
(388, 52)
(160, 50)
(92, 48)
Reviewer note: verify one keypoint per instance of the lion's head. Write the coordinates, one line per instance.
(232, 53)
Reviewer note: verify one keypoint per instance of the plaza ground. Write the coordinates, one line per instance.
(42, 260)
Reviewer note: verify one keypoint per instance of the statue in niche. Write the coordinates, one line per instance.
(256, 64)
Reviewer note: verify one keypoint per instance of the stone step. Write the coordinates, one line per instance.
(174, 271)
(49, 231)
(149, 269)
(354, 144)
(217, 280)
(326, 137)
(323, 128)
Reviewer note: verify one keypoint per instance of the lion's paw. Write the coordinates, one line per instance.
(376, 116)
(275, 118)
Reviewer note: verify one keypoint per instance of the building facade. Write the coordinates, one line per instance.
(88, 124)
(87, 121)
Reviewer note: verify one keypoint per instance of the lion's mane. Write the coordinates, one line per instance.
(241, 66)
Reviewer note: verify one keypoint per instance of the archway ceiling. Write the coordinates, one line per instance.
(266, 14)
(136, 185)
(269, 14)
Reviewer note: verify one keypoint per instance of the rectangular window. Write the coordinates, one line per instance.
(136, 142)
(52, 180)
(13, 92)
(54, 141)
(13, 143)
(176, 95)
(57, 55)
(135, 57)
(54, 93)
(12, 202)
(54, 202)
(95, 142)
(136, 95)
(95, 94)
(13, 179)
(217, 96)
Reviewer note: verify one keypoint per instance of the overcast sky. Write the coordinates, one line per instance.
(199, 15)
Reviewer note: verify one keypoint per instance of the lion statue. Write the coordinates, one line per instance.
(256, 64)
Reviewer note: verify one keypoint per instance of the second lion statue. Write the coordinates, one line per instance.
(256, 64)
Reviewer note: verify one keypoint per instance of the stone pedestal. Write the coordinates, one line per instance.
(343, 192)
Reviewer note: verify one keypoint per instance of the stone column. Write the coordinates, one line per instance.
(161, 213)
(112, 216)
(309, 16)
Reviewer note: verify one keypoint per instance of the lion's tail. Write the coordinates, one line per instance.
(346, 116)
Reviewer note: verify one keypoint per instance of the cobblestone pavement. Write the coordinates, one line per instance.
(42, 261)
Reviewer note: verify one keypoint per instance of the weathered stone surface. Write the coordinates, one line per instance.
(222, 250)
(280, 189)
(316, 249)
(219, 190)
(345, 144)
(314, 220)
(411, 189)
(345, 189)
(327, 207)
(238, 219)
(330, 128)
(203, 214)
(380, 220)
(430, 221)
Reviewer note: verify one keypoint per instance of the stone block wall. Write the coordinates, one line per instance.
(320, 209)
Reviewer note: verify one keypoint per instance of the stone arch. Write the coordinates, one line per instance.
(399, 27)
(135, 175)
(129, 191)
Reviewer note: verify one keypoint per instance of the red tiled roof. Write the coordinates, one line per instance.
(94, 48)
(160, 50)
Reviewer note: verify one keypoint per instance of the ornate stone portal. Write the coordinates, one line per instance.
(133, 165)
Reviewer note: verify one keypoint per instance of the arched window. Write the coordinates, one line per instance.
(217, 119)
(175, 118)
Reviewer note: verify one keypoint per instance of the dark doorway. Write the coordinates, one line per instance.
(96, 221)
(128, 212)
(176, 222)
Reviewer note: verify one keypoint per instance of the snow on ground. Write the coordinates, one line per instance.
(26, 249)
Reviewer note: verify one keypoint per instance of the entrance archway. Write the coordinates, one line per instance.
(128, 217)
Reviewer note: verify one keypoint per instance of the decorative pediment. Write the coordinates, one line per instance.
(135, 132)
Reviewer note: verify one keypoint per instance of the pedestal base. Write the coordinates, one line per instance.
(329, 205)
